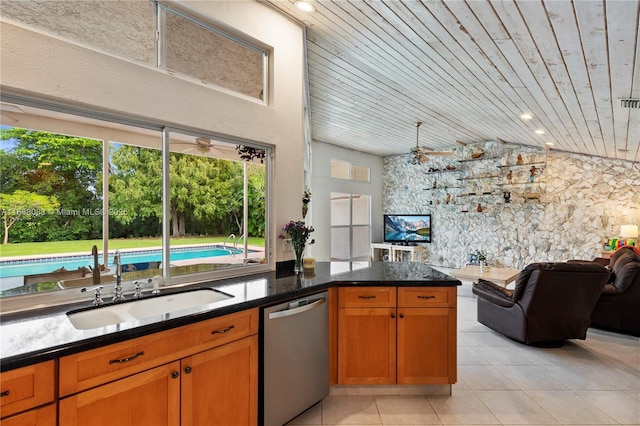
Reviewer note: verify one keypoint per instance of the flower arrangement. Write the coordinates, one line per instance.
(306, 199)
(306, 195)
(299, 234)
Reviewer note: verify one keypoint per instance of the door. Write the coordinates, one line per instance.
(366, 346)
(350, 226)
(426, 345)
(148, 398)
(220, 386)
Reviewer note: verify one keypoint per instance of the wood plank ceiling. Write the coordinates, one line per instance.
(469, 68)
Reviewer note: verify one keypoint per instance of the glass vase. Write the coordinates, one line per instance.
(298, 267)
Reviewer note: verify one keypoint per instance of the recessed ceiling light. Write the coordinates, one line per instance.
(526, 116)
(305, 6)
(540, 132)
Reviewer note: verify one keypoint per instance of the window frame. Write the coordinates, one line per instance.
(165, 131)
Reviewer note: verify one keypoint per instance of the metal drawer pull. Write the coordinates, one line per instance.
(223, 330)
(127, 359)
(5, 393)
(426, 297)
(367, 297)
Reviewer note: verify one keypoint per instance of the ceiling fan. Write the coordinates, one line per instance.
(201, 145)
(421, 153)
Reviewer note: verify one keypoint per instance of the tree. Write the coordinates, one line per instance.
(135, 188)
(50, 164)
(24, 205)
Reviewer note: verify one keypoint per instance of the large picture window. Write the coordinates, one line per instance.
(74, 189)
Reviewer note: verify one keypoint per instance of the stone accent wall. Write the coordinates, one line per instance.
(582, 202)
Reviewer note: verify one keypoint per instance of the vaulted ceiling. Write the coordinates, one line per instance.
(469, 69)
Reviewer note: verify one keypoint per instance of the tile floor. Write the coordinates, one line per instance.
(586, 382)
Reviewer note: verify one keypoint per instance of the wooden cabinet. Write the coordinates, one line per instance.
(214, 387)
(412, 341)
(24, 389)
(367, 335)
(427, 334)
(151, 397)
(42, 416)
(91, 368)
(204, 373)
(220, 386)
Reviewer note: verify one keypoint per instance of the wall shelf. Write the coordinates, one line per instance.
(479, 177)
(442, 171)
(478, 194)
(522, 165)
(478, 159)
(521, 183)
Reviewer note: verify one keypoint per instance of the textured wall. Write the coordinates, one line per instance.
(583, 201)
(125, 28)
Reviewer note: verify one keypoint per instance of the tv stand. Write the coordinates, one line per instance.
(396, 253)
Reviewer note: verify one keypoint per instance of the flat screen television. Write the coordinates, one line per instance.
(407, 228)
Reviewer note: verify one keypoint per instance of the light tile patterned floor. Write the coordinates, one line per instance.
(586, 382)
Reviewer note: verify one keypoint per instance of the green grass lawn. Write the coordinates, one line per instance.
(58, 247)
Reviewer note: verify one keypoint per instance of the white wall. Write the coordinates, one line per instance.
(42, 66)
(322, 185)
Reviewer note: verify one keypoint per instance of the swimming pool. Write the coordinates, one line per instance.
(17, 268)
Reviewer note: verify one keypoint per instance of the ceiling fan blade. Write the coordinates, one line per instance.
(443, 153)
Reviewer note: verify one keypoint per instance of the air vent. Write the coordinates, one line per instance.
(630, 103)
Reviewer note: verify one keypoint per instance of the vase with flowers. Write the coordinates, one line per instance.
(306, 199)
(300, 235)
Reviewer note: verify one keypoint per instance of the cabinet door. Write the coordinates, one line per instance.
(148, 398)
(366, 346)
(220, 386)
(43, 416)
(26, 387)
(427, 345)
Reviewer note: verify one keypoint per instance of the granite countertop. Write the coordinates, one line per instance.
(39, 335)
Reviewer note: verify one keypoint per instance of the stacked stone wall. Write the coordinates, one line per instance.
(576, 203)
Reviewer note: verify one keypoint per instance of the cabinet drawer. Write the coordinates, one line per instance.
(91, 368)
(26, 387)
(437, 297)
(355, 297)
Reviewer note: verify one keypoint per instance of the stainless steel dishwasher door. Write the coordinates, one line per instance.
(296, 357)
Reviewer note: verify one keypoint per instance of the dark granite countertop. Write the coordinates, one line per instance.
(39, 335)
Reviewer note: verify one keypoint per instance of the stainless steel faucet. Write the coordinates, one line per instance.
(117, 295)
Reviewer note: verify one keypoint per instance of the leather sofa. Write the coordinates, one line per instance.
(551, 302)
(618, 307)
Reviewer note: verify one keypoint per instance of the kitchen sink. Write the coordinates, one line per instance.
(137, 309)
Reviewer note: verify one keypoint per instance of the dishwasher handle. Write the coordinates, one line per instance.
(298, 310)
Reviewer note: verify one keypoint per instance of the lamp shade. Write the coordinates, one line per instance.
(629, 231)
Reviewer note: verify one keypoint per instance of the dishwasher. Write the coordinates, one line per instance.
(295, 363)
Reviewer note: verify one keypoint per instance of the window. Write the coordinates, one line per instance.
(350, 226)
(187, 46)
(349, 171)
(208, 54)
(69, 183)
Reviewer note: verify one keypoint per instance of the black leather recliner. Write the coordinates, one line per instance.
(551, 302)
(618, 307)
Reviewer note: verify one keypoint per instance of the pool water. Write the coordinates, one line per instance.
(17, 268)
